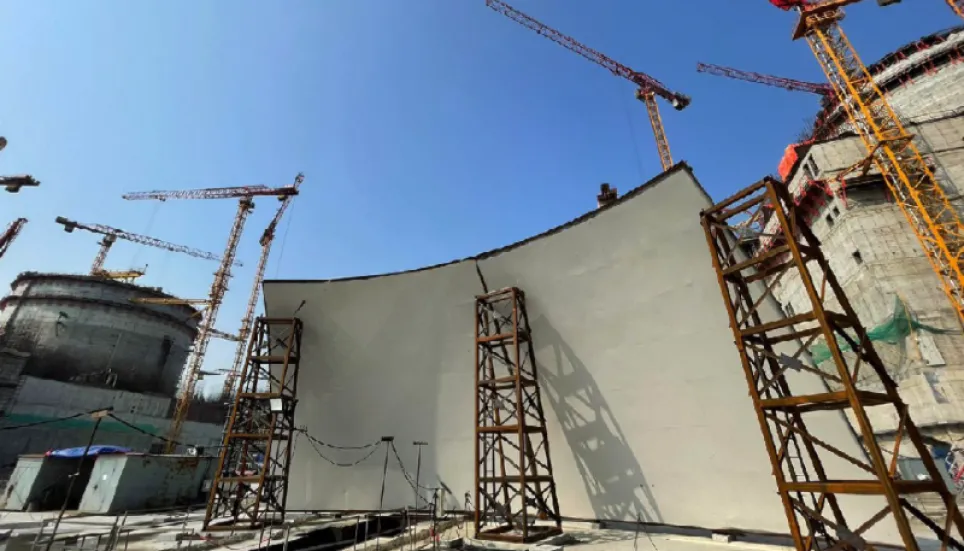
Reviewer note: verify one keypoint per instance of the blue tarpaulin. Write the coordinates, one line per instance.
(94, 450)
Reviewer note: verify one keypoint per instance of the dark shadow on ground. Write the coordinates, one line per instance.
(609, 469)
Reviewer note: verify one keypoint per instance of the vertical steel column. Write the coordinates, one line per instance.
(509, 414)
(755, 238)
(250, 488)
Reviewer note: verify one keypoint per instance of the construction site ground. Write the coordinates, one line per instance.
(180, 531)
(162, 532)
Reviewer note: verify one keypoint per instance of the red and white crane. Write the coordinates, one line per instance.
(648, 87)
(793, 85)
(957, 6)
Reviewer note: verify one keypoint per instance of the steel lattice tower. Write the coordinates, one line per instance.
(852, 381)
(514, 485)
(251, 485)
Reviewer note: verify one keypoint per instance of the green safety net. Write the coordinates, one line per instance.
(898, 327)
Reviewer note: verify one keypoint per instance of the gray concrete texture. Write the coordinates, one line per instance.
(915, 94)
(85, 329)
(39, 400)
(645, 396)
(877, 258)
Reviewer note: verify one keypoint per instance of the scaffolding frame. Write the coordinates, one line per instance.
(250, 488)
(512, 494)
(750, 258)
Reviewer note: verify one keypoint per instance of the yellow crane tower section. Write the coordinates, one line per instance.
(889, 145)
(266, 240)
(957, 6)
(219, 286)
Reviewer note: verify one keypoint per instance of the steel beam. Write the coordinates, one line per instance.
(515, 492)
(755, 238)
(250, 488)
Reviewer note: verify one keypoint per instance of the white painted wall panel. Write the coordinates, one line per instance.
(644, 392)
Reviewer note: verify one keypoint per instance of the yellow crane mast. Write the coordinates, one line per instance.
(219, 286)
(889, 145)
(266, 240)
(957, 6)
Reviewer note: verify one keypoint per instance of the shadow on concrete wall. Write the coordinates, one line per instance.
(609, 469)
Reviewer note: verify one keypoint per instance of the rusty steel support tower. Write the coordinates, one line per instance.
(755, 237)
(251, 484)
(514, 486)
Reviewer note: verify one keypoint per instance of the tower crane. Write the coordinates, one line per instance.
(648, 89)
(11, 233)
(793, 85)
(957, 6)
(111, 235)
(266, 240)
(889, 145)
(219, 286)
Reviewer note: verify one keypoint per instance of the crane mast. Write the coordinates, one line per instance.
(957, 6)
(216, 296)
(790, 84)
(889, 145)
(111, 235)
(648, 87)
(266, 240)
(11, 233)
(219, 286)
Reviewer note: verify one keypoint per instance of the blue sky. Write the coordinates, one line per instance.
(427, 129)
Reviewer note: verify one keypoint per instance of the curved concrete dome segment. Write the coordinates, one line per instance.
(644, 394)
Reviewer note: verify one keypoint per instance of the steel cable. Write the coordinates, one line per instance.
(408, 478)
(315, 443)
(304, 430)
(145, 432)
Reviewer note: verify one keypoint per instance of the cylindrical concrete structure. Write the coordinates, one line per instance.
(86, 329)
(923, 80)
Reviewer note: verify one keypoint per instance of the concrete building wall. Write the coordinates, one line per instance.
(923, 80)
(937, 91)
(878, 259)
(43, 400)
(645, 398)
(85, 329)
(12, 364)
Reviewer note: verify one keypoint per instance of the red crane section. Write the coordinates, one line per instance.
(11, 233)
(770, 80)
(649, 87)
(677, 100)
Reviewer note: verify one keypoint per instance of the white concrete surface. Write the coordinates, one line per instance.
(646, 400)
